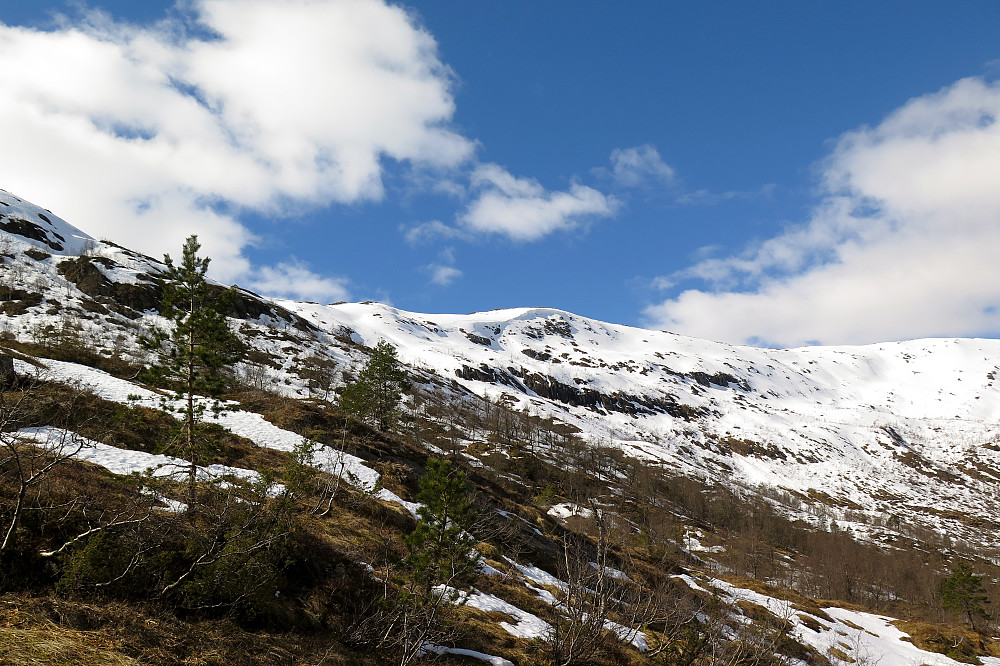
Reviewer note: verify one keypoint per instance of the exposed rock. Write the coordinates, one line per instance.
(722, 379)
(244, 304)
(83, 272)
(31, 231)
(18, 301)
(479, 340)
(552, 389)
(558, 327)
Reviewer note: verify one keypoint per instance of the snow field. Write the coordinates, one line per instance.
(494, 661)
(825, 412)
(245, 424)
(528, 626)
(877, 642)
(126, 461)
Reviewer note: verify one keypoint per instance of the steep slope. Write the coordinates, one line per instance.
(31, 222)
(870, 437)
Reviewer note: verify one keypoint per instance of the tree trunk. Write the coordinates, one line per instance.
(192, 458)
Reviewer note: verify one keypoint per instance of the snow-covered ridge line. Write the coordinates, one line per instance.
(40, 226)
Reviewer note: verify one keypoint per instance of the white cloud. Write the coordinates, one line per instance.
(523, 210)
(443, 275)
(639, 166)
(903, 244)
(429, 231)
(295, 280)
(145, 135)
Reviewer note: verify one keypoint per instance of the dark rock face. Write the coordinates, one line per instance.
(547, 387)
(15, 302)
(479, 340)
(83, 272)
(722, 379)
(537, 355)
(130, 299)
(31, 231)
(484, 373)
(243, 304)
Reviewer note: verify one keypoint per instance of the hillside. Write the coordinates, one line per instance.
(724, 484)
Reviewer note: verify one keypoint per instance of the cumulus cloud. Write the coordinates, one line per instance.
(523, 210)
(639, 167)
(294, 279)
(903, 243)
(145, 135)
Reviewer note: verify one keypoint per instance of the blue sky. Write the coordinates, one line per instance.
(749, 172)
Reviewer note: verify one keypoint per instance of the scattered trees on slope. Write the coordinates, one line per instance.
(440, 561)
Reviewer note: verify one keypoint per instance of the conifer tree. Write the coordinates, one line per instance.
(442, 559)
(442, 551)
(195, 350)
(377, 394)
(963, 592)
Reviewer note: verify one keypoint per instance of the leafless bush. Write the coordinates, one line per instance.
(32, 445)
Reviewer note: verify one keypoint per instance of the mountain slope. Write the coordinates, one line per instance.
(660, 464)
(870, 437)
(907, 429)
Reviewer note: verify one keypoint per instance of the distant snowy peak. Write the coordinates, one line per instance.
(40, 227)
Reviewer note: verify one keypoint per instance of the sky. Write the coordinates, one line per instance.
(778, 174)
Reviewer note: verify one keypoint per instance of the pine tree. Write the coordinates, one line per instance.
(442, 551)
(963, 592)
(195, 350)
(377, 394)
(441, 560)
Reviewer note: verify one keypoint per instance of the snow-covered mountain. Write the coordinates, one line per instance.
(872, 437)
(905, 428)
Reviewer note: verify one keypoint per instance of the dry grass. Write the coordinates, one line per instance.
(812, 623)
(58, 647)
(57, 632)
(799, 602)
(955, 641)
(840, 655)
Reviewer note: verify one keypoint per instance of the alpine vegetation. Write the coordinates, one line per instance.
(191, 472)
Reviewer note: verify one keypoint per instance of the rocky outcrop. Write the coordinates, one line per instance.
(547, 387)
(32, 231)
(91, 280)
